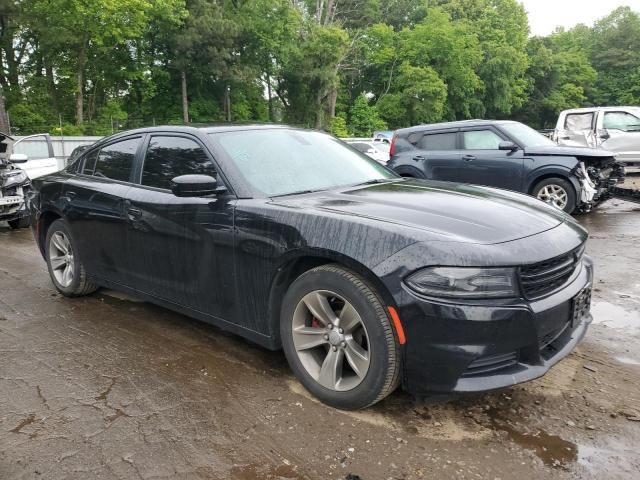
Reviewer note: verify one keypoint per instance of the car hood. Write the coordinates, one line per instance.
(443, 211)
(568, 151)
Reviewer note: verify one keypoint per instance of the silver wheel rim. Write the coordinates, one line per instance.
(554, 195)
(331, 340)
(61, 258)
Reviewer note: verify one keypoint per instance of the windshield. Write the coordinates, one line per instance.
(527, 136)
(280, 161)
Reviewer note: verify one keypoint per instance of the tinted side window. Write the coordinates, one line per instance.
(481, 140)
(579, 121)
(90, 163)
(170, 157)
(116, 160)
(438, 141)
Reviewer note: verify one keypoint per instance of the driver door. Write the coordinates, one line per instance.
(181, 250)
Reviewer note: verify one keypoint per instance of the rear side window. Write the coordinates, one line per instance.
(481, 140)
(169, 157)
(437, 141)
(116, 160)
(579, 121)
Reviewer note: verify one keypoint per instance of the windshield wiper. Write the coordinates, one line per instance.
(300, 192)
(375, 181)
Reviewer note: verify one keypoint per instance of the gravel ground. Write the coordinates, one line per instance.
(108, 387)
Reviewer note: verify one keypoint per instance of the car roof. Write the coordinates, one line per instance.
(457, 124)
(606, 109)
(193, 128)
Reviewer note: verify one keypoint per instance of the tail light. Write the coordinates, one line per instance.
(392, 148)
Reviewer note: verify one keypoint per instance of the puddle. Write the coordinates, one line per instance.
(613, 316)
(627, 360)
(551, 449)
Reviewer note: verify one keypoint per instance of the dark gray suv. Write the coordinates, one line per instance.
(507, 155)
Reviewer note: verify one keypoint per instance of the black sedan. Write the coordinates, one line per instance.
(509, 155)
(294, 240)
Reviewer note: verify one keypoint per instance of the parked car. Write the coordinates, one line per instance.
(507, 155)
(293, 240)
(616, 129)
(383, 136)
(377, 150)
(14, 185)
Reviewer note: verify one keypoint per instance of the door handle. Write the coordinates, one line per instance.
(418, 158)
(469, 158)
(134, 213)
(68, 196)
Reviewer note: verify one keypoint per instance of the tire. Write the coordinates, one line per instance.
(60, 254)
(366, 353)
(557, 192)
(19, 223)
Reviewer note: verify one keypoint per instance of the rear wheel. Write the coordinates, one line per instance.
(65, 267)
(338, 338)
(19, 223)
(557, 192)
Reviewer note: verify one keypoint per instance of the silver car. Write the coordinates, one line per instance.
(616, 129)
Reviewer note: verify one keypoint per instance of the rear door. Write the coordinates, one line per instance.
(94, 207)
(181, 249)
(578, 129)
(483, 163)
(437, 154)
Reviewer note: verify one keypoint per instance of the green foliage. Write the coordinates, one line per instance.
(108, 65)
(365, 118)
(338, 127)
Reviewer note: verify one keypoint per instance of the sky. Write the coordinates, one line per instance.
(546, 15)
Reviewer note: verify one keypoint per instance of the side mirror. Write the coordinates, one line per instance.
(508, 146)
(18, 158)
(195, 186)
(604, 134)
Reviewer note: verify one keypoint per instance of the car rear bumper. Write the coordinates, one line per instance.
(473, 348)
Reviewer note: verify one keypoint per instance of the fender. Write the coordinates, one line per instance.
(294, 262)
(546, 171)
(409, 171)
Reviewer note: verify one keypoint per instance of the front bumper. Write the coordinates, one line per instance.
(484, 346)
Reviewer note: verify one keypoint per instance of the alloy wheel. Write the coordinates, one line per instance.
(554, 195)
(61, 258)
(331, 340)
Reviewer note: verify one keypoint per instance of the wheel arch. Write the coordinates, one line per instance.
(555, 173)
(295, 266)
(409, 171)
(44, 222)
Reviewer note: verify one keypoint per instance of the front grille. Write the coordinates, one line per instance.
(491, 363)
(546, 277)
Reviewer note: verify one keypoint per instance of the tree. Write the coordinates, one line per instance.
(364, 118)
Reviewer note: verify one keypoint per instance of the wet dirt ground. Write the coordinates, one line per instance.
(107, 387)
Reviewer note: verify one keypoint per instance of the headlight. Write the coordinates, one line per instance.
(464, 282)
(14, 179)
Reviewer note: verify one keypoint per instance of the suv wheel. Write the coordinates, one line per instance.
(65, 268)
(338, 338)
(557, 192)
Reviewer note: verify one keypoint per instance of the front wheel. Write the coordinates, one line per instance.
(65, 267)
(338, 338)
(557, 192)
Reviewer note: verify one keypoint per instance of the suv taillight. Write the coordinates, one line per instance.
(392, 148)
